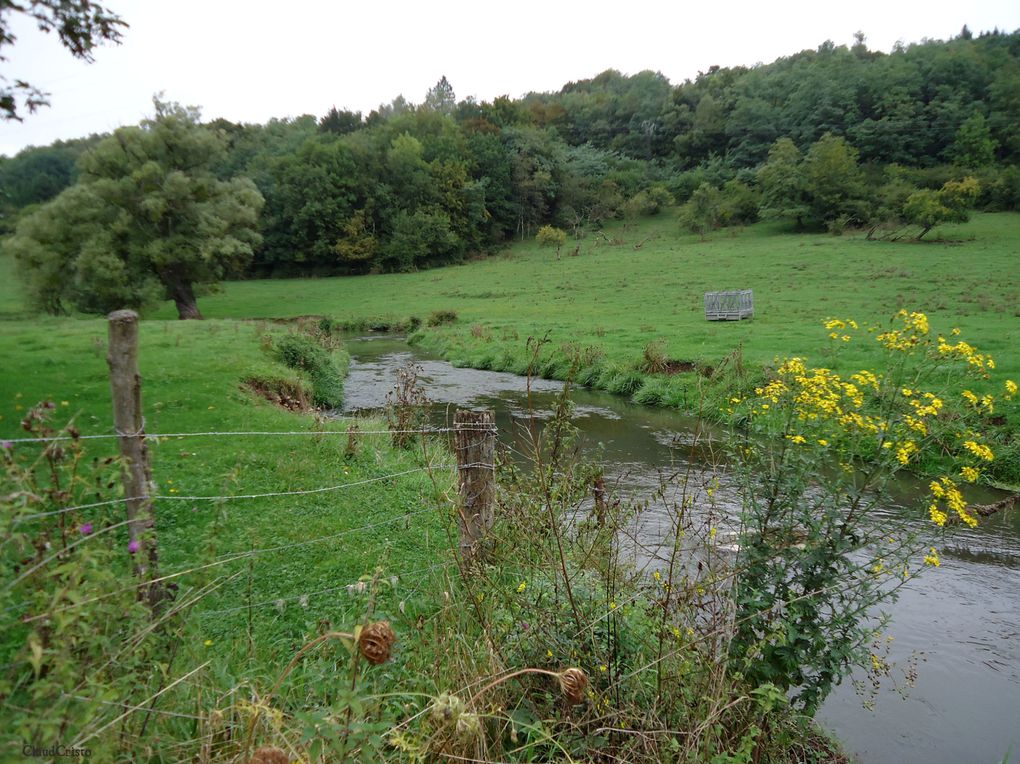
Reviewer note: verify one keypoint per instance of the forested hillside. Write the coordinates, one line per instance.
(834, 137)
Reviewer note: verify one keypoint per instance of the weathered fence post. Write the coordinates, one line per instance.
(126, 386)
(475, 442)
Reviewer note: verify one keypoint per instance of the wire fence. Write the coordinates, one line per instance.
(235, 556)
(249, 433)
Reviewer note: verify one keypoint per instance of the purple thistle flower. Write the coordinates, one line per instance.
(85, 529)
(7, 445)
(134, 546)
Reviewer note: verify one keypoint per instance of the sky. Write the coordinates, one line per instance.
(251, 61)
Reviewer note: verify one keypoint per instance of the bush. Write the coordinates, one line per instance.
(299, 351)
(550, 236)
(440, 317)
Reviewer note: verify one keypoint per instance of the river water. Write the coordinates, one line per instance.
(961, 622)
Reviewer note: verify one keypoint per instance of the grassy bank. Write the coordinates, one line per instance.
(631, 302)
(197, 378)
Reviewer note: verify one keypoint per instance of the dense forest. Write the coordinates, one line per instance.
(834, 137)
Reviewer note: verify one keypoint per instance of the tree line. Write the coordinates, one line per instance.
(827, 138)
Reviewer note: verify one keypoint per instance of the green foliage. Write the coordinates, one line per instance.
(70, 611)
(36, 175)
(973, 145)
(301, 351)
(146, 214)
(442, 316)
(550, 236)
(833, 183)
(703, 211)
(782, 183)
(419, 238)
(651, 201)
(950, 204)
(739, 204)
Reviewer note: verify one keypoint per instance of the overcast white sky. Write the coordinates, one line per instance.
(253, 60)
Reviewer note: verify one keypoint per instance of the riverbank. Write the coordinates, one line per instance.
(277, 544)
(957, 706)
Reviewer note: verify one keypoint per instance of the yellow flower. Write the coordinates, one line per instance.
(1010, 389)
(823, 442)
(979, 450)
(905, 450)
(970, 474)
(521, 587)
(932, 558)
(548, 654)
(907, 392)
(798, 439)
(208, 643)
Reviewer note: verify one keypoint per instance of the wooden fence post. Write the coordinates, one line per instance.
(126, 387)
(475, 441)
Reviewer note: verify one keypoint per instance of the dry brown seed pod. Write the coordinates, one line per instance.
(375, 642)
(573, 683)
(269, 754)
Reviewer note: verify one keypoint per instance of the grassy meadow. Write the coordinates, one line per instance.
(639, 284)
(619, 298)
(192, 374)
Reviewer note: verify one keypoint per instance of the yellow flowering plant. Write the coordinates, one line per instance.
(816, 449)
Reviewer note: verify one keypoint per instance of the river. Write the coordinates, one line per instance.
(962, 620)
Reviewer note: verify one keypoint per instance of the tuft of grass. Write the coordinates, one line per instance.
(304, 352)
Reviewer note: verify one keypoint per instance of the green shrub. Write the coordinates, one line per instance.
(440, 317)
(299, 351)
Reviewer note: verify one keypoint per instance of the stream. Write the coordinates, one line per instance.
(961, 621)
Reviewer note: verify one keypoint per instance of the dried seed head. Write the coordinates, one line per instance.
(468, 726)
(446, 708)
(269, 754)
(375, 642)
(573, 683)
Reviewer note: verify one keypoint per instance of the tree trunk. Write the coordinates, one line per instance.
(183, 295)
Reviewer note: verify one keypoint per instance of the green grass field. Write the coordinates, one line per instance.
(613, 297)
(616, 298)
(620, 299)
(192, 376)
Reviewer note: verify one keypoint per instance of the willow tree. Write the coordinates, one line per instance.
(146, 219)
